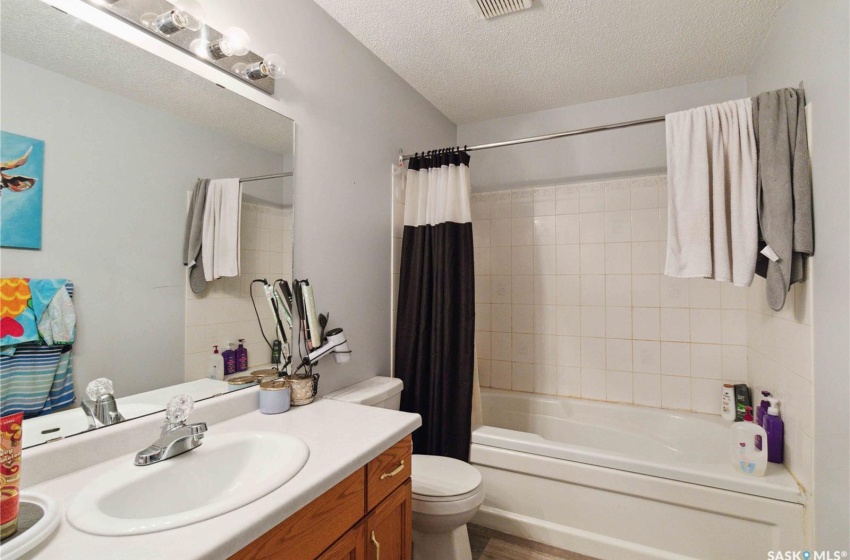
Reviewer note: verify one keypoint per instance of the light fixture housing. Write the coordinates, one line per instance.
(272, 66)
(184, 14)
(234, 42)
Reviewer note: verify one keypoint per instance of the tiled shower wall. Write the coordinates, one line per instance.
(571, 300)
(223, 312)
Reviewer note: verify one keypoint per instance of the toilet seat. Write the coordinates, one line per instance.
(443, 479)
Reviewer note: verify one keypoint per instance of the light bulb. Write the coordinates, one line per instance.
(235, 42)
(186, 14)
(273, 66)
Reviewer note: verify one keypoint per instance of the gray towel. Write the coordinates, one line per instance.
(192, 238)
(784, 189)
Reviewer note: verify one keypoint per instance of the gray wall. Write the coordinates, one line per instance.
(352, 114)
(809, 42)
(629, 151)
(115, 182)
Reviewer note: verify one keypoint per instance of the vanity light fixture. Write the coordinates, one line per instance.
(272, 66)
(184, 14)
(233, 42)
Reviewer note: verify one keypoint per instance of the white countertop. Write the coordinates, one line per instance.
(342, 438)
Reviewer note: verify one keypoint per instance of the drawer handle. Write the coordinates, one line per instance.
(394, 472)
(377, 547)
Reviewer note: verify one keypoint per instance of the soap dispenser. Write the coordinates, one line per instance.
(241, 356)
(229, 356)
(775, 428)
(216, 367)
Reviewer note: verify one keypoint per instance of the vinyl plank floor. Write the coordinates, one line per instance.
(488, 544)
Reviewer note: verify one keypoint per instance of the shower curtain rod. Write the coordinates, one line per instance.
(262, 177)
(576, 132)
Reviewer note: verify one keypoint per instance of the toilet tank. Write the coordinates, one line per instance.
(383, 392)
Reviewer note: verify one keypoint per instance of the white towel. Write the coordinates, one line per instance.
(222, 214)
(712, 229)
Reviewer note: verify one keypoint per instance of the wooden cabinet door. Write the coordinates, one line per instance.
(388, 527)
(351, 546)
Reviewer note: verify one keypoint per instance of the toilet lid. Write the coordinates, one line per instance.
(443, 477)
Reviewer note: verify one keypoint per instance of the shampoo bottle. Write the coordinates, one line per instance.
(216, 367)
(229, 356)
(775, 429)
(241, 356)
(742, 446)
(761, 411)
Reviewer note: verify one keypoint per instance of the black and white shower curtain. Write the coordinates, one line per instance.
(435, 330)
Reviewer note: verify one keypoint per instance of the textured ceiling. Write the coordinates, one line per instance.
(560, 52)
(34, 32)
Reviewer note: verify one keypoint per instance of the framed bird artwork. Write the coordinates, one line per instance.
(21, 188)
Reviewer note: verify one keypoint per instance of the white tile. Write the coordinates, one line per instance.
(705, 326)
(479, 206)
(644, 192)
(676, 359)
(568, 289)
(484, 372)
(522, 260)
(645, 257)
(675, 292)
(705, 294)
(645, 323)
(482, 259)
(569, 381)
(522, 231)
(734, 326)
(618, 258)
(676, 392)
(705, 395)
(500, 204)
(544, 201)
(645, 225)
(522, 203)
(567, 229)
(568, 259)
(592, 289)
(545, 289)
(500, 289)
(567, 199)
(675, 325)
(545, 349)
(545, 319)
(592, 228)
(481, 233)
(662, 225)
(734, 362)
(618, 290)
(500, 317)
(593, 321)
(522, 318)
(523, 348)
(591, 197)
(647, 389)
(592, 258)
(618, 386)
(482, 344)
(592, 352)
(646, 356)
(500, 232)
(482, 289)
(732, 296)
(617, 195)
(482, 316)
(706, 360)
(618, 322)
(618, 226)
(522, 377)
(618, 354)
(568, 320)
(500, 260)
(545, 379)
(545, 259)
(545, 229)
(645, 290)
(500, 346)
(522, 289)
(593, 384)
(569, 351)
(500, 375)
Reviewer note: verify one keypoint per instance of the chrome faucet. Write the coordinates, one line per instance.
(177, 437)
(100, 406)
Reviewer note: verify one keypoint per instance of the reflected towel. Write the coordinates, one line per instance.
(220, 240)
(23, 301)
(36, 380)
(193, 236)
(712, 229)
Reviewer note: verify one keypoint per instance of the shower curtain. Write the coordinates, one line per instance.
(436, 304)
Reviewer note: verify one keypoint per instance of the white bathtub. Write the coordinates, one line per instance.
(622, 482)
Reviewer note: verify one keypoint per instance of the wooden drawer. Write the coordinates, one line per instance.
(388, 471)
(313, 528)
(350, 546)
(389, 527)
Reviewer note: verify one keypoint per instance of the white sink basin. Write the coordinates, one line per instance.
(226, 472)
(69, 422)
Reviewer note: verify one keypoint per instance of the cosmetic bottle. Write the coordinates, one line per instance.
(241, 356)
(745, 457)
(775, 429)
(761, 411)
(229, 356)
(727, 402)
(216, 366)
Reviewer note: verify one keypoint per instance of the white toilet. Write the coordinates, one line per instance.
(446, 492)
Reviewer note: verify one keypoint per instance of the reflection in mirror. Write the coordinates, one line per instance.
(120, 138)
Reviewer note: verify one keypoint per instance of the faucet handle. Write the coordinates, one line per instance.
(99, 387)
(178, 408)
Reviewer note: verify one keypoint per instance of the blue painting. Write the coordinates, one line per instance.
(22, 172)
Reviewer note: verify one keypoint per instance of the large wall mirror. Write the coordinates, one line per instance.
(120, 138)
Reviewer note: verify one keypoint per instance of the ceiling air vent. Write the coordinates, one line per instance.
(489, 9)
